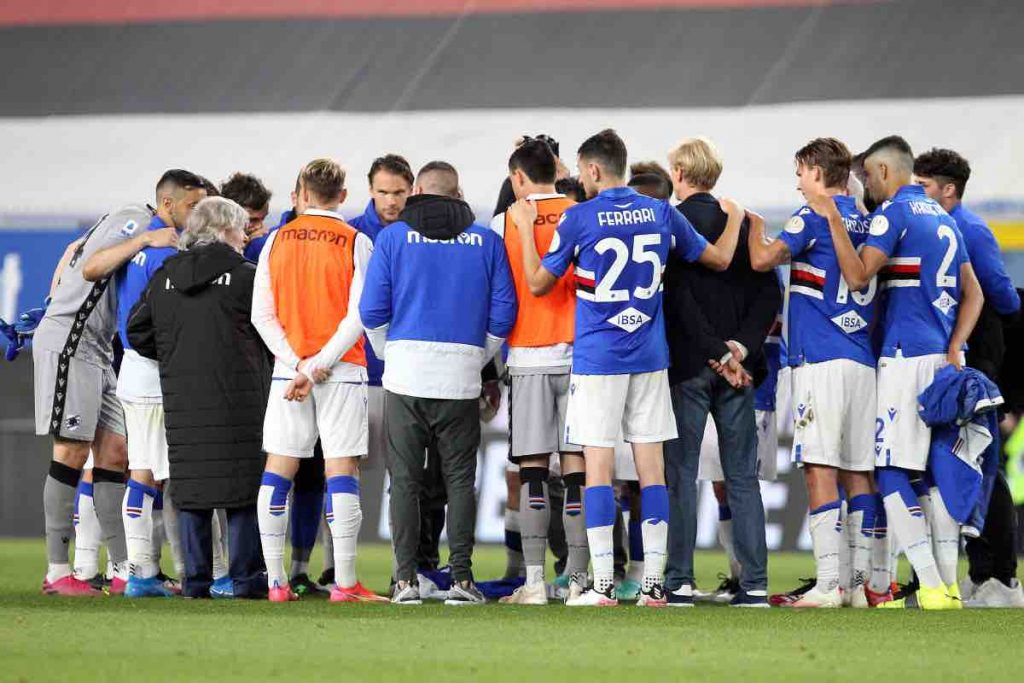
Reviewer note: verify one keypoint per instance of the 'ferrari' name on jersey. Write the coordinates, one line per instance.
(619, 243)
(626, 217)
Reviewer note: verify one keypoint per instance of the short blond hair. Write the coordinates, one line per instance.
(323, 178)
(699, 160)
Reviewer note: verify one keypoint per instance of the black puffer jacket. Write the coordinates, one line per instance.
(214, 371)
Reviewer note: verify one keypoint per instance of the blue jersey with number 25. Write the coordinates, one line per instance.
(619, 243)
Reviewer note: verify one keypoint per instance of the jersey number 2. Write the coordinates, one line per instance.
(604, 290)
(942, 277)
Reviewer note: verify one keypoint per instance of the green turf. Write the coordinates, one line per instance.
(47, 638)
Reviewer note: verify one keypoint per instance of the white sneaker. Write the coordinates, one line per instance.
(855, 598)
(593, 598)
(967, 588)
(429, 589)
(577, 587)
(817, 598)
(535, 594)
(994, 593)
(406, 594)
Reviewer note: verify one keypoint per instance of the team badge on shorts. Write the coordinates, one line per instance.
(804, 415)
(72, 422)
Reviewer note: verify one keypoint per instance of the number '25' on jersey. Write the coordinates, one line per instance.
(920, 283)
(619, 242)
(826, 320)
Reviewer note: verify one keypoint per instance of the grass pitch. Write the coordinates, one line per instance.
(47, 638)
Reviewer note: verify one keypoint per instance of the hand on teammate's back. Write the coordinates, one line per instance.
(821, 202)
(164, 237)
(730, 206)
(523, 213)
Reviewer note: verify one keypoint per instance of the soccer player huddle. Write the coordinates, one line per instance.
(613, 316)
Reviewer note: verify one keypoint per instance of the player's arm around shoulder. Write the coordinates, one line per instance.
(765, 254)
(122, 240)
(857, 268)
(718, 256)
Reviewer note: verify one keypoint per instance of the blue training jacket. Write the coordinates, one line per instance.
(438, 300)
(960, 407)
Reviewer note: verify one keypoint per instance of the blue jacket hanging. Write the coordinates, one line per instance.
(960, 407)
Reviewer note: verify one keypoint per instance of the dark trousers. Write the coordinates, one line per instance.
(454, 426)
(433, 501)
(245, 554)
(733, 413)
(992, 555)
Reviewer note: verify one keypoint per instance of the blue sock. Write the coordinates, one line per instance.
(279, 497)
(599, 512)
(307, 506)
(137, 493)
(599, 506)
(896, 480)
(654, 506)
(636, 540)
(865, 503)
(724, 512)
(84, 489)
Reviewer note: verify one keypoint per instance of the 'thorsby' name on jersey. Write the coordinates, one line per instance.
(827, 321)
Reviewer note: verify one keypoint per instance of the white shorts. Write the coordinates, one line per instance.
(147, 438)
(710, 467)
(903, 439)
(336, 412)
(625, 464)
(601, 405)
(833, 415)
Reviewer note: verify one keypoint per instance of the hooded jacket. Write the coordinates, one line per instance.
(438, 300)
(193, 319)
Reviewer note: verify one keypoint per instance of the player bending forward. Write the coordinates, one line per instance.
(619, 242)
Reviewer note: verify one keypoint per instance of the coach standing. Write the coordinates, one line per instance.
(215, 373)
(721, 317)
(437, 304)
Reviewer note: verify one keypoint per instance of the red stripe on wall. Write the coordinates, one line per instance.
(61, 12)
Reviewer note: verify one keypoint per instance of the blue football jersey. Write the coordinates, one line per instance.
(826, 320)
(920, 283)
(133, 277)
(619, 243)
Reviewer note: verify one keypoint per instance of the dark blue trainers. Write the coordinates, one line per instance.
(745, 598)
(681, 597)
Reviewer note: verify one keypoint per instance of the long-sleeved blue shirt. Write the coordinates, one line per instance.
(987, 261)
(369, 224)
(437, 309)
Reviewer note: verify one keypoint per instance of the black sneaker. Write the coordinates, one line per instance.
(726, 590)
(326, 579)
(464, 593)
(750, 599)
(681, 597)
(304, 587)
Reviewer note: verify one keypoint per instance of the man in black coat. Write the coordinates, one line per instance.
(194, 319)
(718, 319)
